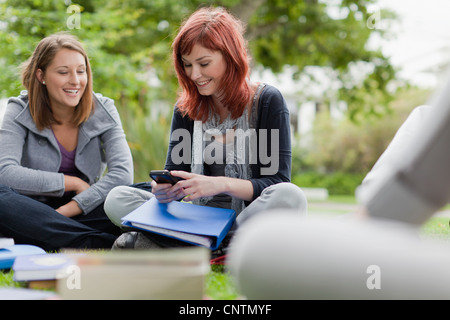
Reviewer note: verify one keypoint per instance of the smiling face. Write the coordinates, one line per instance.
(206, 69)
(65, 78)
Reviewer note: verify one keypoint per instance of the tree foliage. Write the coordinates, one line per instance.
(130, 42)
(129, 45)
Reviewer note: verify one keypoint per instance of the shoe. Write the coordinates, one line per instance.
(146, 240)
(133, 240)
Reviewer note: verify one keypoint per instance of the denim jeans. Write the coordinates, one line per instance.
(36, 222)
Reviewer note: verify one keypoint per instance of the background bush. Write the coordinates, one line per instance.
(337, 154)
(337, 183)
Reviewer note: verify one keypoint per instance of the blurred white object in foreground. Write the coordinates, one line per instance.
(284, 256)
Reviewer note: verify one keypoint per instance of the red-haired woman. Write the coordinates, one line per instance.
(57, 138)
(230, 137)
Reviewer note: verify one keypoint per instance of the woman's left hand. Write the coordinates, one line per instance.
(196, 186)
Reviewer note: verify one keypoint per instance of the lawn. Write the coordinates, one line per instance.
(219, 284)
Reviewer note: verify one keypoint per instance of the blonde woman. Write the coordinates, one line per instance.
(57, 138)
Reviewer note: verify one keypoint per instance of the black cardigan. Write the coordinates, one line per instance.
(272, 114)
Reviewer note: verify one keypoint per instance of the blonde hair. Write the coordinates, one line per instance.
(38, 98)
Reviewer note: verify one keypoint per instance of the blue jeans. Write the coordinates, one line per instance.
(36, 222)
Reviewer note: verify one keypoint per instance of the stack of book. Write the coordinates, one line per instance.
(168, 274)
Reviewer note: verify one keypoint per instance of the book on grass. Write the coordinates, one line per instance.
(9, 254)
(199, 225)
(162, 274)
(50, 266)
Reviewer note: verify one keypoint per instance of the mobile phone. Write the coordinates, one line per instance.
(164, 176)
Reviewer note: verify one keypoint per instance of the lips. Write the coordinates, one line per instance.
(203, 83)
(72, 91)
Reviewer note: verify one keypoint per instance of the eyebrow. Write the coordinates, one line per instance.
(81, 65)
(198, 59)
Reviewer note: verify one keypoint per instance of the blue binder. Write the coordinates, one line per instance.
(199, 225)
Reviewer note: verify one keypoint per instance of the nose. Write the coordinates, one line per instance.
(74, 78)
(195, 73)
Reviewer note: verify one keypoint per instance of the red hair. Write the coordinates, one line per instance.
(216, 30)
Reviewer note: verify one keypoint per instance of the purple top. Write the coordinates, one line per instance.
(68, 161)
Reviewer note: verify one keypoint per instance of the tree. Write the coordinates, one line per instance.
(128, 41)
(129, 45)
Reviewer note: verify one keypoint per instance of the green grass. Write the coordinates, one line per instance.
(437, 228)
(6, 280)
(220, 284)
(341, 199)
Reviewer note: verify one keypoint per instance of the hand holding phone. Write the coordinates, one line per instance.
(164, 184)
(164, 176)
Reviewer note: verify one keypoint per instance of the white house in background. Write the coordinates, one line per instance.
(303, 96)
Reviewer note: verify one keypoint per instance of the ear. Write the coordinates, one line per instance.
(40, 76)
